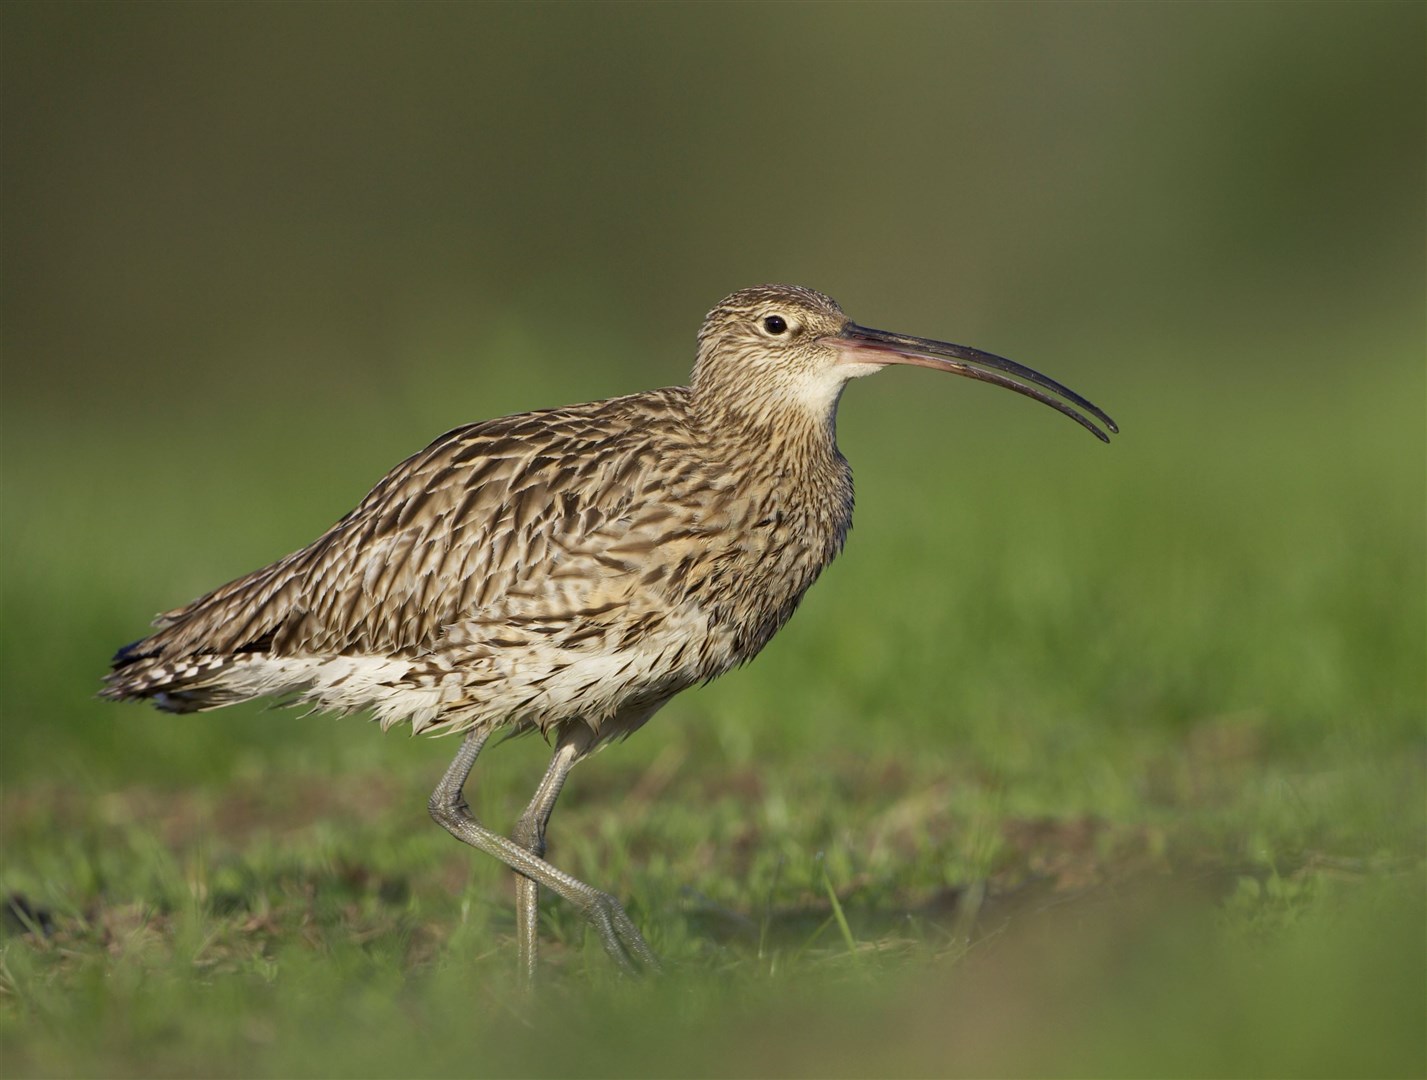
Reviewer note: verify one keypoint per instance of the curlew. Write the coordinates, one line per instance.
(568, 570)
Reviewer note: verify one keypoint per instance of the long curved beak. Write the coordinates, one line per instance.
(863, 345)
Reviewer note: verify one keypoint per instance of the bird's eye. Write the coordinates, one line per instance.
(775, 324)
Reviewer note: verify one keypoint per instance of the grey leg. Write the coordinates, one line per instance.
(529, 833)
(448, 807)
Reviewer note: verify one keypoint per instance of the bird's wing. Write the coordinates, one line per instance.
(523, 510)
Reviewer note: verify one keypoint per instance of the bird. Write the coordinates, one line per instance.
(567, 571)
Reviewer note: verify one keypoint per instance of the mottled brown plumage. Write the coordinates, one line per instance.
(568, 570)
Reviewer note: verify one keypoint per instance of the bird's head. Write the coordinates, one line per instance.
(775, 348)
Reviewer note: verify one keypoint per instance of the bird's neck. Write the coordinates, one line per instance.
(768, 425)
(789, 489)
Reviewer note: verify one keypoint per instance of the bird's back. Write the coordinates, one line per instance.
(587, 561)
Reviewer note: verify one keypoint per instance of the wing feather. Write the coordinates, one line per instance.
(517, 506)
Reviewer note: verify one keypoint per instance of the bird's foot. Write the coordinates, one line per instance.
(620, 937)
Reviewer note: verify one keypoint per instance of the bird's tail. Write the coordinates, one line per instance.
(198, 655)
(145, 670)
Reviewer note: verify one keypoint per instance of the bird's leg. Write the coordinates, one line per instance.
(529, 833)
(448, 807)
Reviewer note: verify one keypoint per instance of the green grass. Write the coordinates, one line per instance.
(1082, 760)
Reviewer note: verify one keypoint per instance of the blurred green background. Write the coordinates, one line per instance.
(253, 255)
